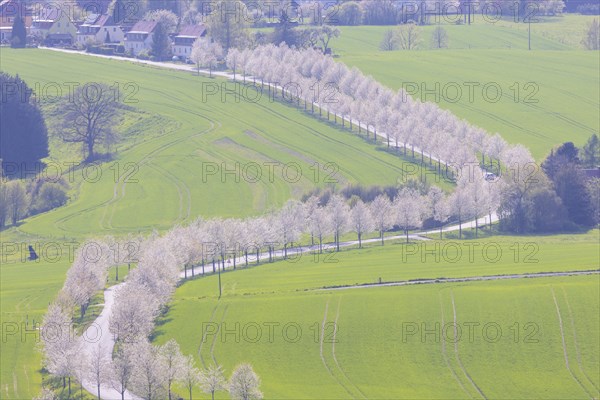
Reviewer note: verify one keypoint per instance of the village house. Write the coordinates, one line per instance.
(139, 38)
(53, 26)
(99, 28)
(185, 38)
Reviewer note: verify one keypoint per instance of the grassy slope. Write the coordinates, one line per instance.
(568, 96)
(169, 135)
(372, 356)
(170, 189)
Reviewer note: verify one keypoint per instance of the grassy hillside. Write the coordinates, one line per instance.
(378, 350)
(172, 170)
(156, 178)
(560, 104)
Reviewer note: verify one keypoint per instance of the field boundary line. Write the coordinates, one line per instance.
(456, 350)
(577, 352)
(430, 281)
(564, 345)
(445, 355)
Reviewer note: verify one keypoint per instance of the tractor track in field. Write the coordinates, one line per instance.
(460, 364)
(212, 346)
(212, 317)
(577, 352)
(321, 342)
(335, 329)
(445, 353)
(147, 159)
(564, 346)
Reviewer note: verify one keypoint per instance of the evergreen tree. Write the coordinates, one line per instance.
(23, 132)
(563, 167)
(19, 33)
(161, 46)
(284, 31)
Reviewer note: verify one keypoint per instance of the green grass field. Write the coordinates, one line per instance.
(167, 137)
(561, 103)
(164, 186)
(171, 133)
(378, 350)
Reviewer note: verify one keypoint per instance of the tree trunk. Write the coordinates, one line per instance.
(459, 228)
(359, 241)
(406, 230)
(117, 277)
(90, 147)
(381, 234)
(184, 271)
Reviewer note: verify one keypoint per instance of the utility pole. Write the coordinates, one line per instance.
(529, 33)
(219, 269)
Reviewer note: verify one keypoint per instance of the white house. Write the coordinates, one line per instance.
(185, 38)
(53, 26)
(99, 28)
(140, 36)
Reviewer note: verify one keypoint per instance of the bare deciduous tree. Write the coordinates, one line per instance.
(409, 36)
(439, 38)
(89, 116)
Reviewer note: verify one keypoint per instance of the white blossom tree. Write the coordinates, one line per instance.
(206, 54)
(149, 378)
(439, 205)
(99, 369)
(381, 210)
(212, 380)
(244, 383)
(362, 220)
(173, 360)
(121, 370)
(190, 375)
(339, 213)
(407, 208)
